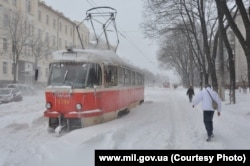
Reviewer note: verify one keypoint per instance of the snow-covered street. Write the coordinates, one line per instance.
(165, 121)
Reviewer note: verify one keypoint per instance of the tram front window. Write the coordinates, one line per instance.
(76, 75)
(68, 74)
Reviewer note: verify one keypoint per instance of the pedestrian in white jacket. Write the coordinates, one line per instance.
(207, 107)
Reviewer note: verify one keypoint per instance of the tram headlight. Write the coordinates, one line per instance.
(78, 106)
(48, 105)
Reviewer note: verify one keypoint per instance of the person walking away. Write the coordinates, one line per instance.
(190, 93)
(205, 96)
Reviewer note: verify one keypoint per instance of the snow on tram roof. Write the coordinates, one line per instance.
(90, 55)
(87, 55)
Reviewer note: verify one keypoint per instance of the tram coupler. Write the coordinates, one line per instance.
(60, 126)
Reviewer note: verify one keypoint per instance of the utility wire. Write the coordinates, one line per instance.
(91, 3)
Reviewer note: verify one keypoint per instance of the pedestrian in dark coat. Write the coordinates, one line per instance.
(190, 93)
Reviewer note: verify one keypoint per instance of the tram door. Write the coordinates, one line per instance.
(95, 81)
(111, 93)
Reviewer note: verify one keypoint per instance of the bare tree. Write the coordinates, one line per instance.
(176, 54)
(40, 46)
(15, 28)
(163, 16)
(244, 41)
(224, 37)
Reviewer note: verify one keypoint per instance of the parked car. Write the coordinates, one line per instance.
(10, 95)
(24, 88)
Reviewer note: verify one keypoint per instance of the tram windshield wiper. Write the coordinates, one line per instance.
(65, 79)
(65, 76)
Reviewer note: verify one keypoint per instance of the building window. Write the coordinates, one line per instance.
(39, 15)
(60, 26)
(71, 31)
(31, 29)
(5, 19)
(66, 29)
(54, 41)
(40, 71)
(47, 39)
(5, 67)
(47, 72)
(47, 19)
(39, 33)
(28, 6)
(14, 2)
(65, 42)
(60, 42)
(54, 23)
(5, 44)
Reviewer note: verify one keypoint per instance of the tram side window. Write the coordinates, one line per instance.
(110, 76)
(94, 77)
(127, 77)
(132, 81)
(139, 79)
(136, 79)
(121, 76)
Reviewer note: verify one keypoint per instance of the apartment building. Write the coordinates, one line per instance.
(240, 58)
(42, 29)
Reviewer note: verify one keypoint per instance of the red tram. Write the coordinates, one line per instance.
(87, 87)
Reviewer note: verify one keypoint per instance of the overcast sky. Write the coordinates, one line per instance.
(133, 45)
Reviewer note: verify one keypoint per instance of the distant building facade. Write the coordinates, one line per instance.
(240, 61)
(47, 30)
(240, 57)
